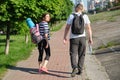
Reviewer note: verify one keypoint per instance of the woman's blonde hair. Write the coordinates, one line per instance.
(79, 7)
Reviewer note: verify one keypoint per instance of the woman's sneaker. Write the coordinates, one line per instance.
(44, 69)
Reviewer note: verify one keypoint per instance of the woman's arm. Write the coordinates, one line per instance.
(46, 38)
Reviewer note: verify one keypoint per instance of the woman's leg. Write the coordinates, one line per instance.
(47, 51)
(40, 57)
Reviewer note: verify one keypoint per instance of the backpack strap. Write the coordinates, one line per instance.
(77, 15)
(37, 26)
(74, 14)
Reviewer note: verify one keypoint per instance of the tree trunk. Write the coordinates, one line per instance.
(26, 38)
(7, 40)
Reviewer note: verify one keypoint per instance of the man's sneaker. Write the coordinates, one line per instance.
(79, 72)
(75, 70)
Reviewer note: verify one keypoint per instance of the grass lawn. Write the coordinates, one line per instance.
(57, 27)
(109, 16)
(19, 50)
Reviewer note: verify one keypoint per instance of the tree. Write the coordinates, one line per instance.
(13, 14)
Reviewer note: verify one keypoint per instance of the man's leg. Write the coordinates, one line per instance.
(81, 54)
(73, 55)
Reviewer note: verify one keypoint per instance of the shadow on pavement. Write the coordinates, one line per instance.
(35, 71)
(107, 50)
(56, 75)
(29, 70)
(59, 72)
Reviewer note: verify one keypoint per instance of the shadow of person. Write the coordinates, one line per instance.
(57, 74)
(29, 70)
(55, 71)
(35, 71)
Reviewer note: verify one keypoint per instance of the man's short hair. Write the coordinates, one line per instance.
(79, 7)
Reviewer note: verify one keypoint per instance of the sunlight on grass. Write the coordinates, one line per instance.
(19, 50)
(57, 27)
(109, 44)
(109, 16)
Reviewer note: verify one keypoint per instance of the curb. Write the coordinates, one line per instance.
(94, 70)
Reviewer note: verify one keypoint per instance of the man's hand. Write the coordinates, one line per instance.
(65, 33)
(90, 41)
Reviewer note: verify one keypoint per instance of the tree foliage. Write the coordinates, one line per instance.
(16, 11)
(13, 14)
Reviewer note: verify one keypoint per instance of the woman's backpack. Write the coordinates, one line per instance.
(34, 31)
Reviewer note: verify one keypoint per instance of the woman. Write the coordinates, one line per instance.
(44, 44)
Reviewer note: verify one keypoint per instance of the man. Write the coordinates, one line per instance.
(77, 41)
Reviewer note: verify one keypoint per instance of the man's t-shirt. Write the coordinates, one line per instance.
(69, 21)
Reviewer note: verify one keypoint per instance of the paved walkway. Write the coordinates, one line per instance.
(59, 65)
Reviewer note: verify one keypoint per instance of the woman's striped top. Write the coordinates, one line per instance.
(44, 29)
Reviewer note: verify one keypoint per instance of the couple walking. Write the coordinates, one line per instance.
(77, 41)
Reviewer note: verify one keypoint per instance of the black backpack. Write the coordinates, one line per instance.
(77, 24)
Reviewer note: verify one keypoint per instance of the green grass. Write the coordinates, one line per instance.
(19, 50)
(108, 15)
(109, 44)
(57, 27)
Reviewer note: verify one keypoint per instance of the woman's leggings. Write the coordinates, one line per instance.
(41, 48)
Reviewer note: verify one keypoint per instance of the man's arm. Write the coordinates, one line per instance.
(66, 32)
(89, 34)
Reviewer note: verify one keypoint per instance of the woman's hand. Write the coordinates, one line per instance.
(46, 45)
